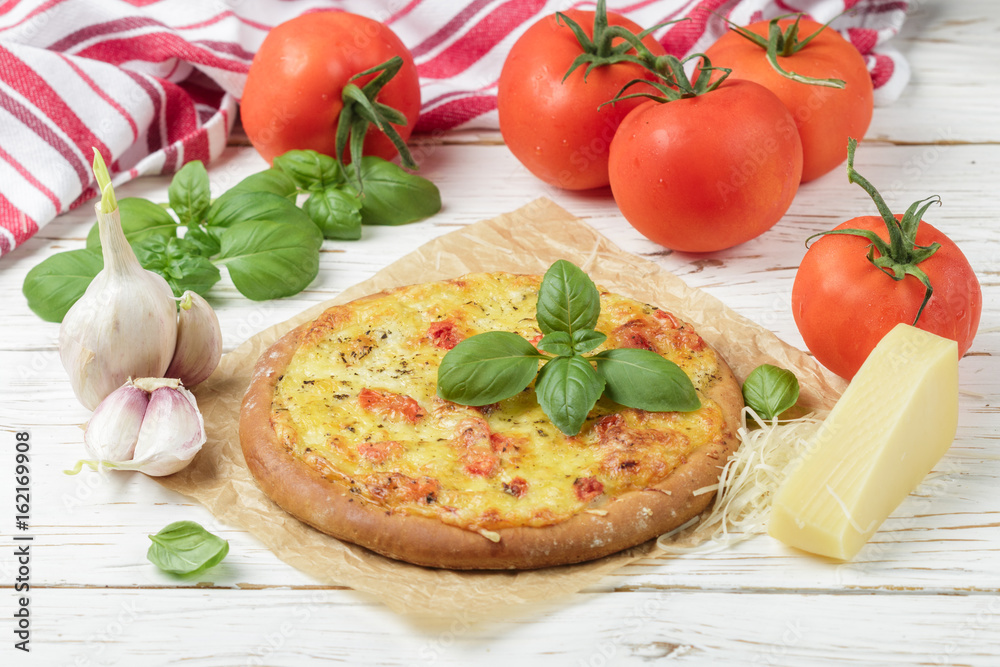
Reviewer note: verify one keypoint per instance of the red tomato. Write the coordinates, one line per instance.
(825, 116)
(704, 173)
(554, 128)
(844, 305)
(292, 97)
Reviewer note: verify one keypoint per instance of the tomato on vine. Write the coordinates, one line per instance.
(549, 104)
(868, 274)
(704, 165)
(326, 80)
(822, 79)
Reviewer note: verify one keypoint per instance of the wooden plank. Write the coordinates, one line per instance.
(273, 627)
(924, 592)
(952, 94)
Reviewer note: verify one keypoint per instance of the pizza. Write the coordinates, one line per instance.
(342, 427)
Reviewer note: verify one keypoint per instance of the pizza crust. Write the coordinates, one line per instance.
(329, 506)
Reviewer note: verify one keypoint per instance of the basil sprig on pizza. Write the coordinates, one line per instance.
(496, 365)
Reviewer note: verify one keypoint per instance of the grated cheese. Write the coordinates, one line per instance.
(746, 486)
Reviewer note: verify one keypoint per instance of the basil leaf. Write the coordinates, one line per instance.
(336, 213)
(393, 196)
(184, 547)
(189, 193)
(644, 380)
(223, 211)
(487, 368)
(310, 170)
(205, 240)
(270, 180)
(268, 259)
(179, 262)
(567, 389)
(53, 285)
(243, 206)
(140, 219)
(568, 300)
(585, 340)
(770, 390)
(558, 343)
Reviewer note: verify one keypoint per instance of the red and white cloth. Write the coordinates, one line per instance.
(155, 83)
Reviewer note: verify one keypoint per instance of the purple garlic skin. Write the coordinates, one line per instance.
(172, 432)
(113, 429)
(152, 425)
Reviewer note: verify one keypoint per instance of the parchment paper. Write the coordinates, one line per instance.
(527, 240)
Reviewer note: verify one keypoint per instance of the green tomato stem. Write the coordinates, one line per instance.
(901, 256)
(361, 111)
(786, 44)
(600, 51)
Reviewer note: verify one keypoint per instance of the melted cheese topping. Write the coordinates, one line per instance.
(358, 403)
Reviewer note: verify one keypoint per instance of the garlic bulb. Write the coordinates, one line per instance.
(125, 324)
(152, 425)
(199, 341)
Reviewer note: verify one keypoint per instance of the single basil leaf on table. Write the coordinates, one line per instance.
(393, 196)
(567, 389)
(270, 180)
(140, 220)
(337, 213)
(270, 260)
(770, 390)
(310, 170)
(53, 285)
(644, 380)
(558, 343)
(180, 264)
(568, 300)
(185, 547)
(487, 368)
(189, 194)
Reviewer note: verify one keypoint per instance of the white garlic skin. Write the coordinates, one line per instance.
(125, 324)
(113, 429)
(199, 341)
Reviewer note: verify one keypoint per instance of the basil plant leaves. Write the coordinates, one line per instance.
(266, 231)
(496, 365)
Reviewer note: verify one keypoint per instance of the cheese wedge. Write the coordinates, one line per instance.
(891, 426)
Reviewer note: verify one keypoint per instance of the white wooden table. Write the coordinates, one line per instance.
(926, 591)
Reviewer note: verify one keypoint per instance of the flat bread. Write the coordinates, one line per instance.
(341, 426)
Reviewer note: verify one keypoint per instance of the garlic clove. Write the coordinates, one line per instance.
(125, 324)
(172, 431)
(113, 429)
(199, 341)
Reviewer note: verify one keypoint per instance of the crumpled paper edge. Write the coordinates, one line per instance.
(527, 240)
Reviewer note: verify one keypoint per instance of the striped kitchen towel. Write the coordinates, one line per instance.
(153, 84)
